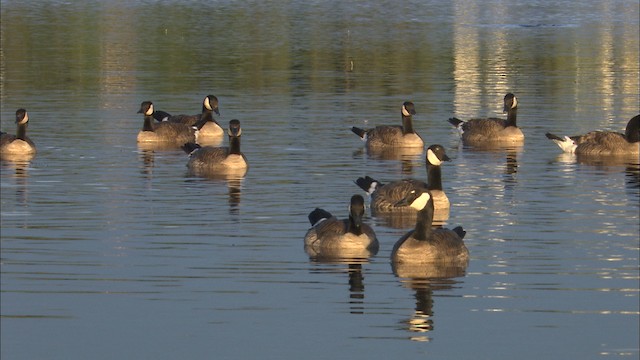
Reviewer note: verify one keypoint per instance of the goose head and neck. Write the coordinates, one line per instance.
(435, 156)
(209, 105)
(408, 110)
(22, 119)
(146, 108)
(356, 212)
(423, 202)
(632, 132)
(511, 108)
(234, 133)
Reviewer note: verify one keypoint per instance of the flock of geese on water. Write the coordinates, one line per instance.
(328, 235)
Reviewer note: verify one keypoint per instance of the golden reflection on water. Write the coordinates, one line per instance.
(424, 280)
(20, 166)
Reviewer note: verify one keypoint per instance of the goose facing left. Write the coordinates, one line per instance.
(384, 136)
(164, 132)
(603, 143)
(424, 244)
(330, 234)
(20, 143)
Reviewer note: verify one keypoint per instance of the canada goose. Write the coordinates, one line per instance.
(479, 132)
(219, 159)
(18, 144)
(163, 132)
(602, 142)
(385, 197)
(204, 121)
(425, 244)
(393, 135)
(331, 234)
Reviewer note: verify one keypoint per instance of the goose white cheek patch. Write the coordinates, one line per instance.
(404, 111)
(421, 201)
(432, 158)
(207, 104)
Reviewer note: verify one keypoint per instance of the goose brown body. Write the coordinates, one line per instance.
(491, 131)
(219, 159)
(393, 135)
(330, 234)
(163, 132)
(603, 143)
(385, 197)
(20, 143)
(205, 122)
(424, 244)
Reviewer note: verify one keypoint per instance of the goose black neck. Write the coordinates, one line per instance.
(234, 145)
(434, 177)
(21, 133)
(424, 220)
(206, 117)
(354, 227)
(407, 124)
(511, 116)
(148, 123)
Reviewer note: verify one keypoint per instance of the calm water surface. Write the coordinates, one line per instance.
(112, 251)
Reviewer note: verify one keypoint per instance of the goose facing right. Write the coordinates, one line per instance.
(489, 131)
(330, 234)
(424, 244)
(385, 197)
(383, 136)
(204, 121)
(20, 143)
(602, 142)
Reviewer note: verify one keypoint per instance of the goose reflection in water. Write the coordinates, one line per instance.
(409, 158)
(355, 277)
(234, 186)
(19, 165)
(425, 280)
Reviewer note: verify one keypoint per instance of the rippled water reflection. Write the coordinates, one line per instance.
(111, 250)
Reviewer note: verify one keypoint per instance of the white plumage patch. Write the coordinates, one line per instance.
(149, 110)
(318, 222)
(567, 145)
(420, 202)
(404, 111)
(25, 119)
(432, 158)
(207, 103)
(372, 188)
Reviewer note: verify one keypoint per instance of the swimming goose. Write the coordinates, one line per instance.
(424, 244)
(393, 135)
(328, 233)
(18, 144)
(478, 132)
(204, 121)
(219, 159)
(602, 142)
(385, 197)
(164, 132)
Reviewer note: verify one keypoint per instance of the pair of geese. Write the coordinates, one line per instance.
(426, 244)
(184, 131)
